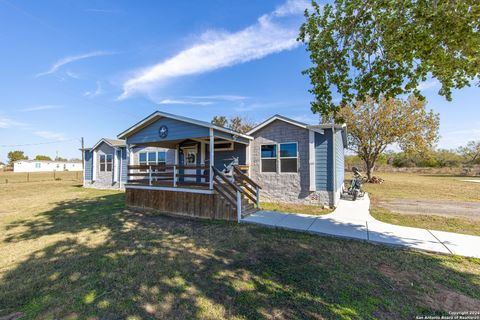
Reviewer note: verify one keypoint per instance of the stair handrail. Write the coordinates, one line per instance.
(239, 191)
(238, 173)
(245, 177)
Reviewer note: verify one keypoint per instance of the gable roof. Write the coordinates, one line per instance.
(111, 142)
(159, 114)
(281, 118)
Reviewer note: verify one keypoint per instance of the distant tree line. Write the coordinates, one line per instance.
(440, 158)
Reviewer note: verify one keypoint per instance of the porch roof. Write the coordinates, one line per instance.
(157, 115)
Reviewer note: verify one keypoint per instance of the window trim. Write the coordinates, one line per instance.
(276, 158)
(280, 156)
(105, 162)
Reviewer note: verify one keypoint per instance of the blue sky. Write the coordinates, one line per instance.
(93, 68)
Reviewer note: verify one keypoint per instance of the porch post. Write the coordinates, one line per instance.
(211, 146)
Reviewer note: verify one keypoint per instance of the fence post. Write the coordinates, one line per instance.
(28, 176)
(239, 206)
(54, 171)
(257, 189)
(150, 175)
(174, 176)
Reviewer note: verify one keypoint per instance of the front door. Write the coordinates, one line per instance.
(190, 160)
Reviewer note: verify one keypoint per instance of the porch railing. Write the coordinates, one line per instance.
(228, 190)
(173, 175)
(251, 188)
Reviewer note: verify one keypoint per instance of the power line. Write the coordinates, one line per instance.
(34, 144)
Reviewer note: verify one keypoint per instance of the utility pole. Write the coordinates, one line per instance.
(83, 154)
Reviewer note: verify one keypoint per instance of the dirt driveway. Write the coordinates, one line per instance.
(444, 208)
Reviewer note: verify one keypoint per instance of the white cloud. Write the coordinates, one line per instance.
(9, 123)
(57, 65)
(429, 84)
(42, 107)
(50, 135)
(188, 102)
(272, 33)
(98, 91)
(73, 75)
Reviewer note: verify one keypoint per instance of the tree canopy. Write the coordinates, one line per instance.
(42, 157)
(362, 48)
(15, 156)
(372, 127)
(236, 123)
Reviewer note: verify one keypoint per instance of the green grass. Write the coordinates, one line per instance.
(432, 222)
(74, 253)
(295, 208)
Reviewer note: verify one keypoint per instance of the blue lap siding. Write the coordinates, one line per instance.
(324, 161)
(88, 165)
(177, 130)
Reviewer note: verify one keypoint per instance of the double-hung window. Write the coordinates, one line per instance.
(269, 158)
(106, 162)
(288, 157)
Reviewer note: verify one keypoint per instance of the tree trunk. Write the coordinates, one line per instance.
(369, 166)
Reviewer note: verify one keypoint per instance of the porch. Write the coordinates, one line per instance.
(164, 189)
(208, 177)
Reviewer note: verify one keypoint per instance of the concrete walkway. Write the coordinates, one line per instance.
(352, 219)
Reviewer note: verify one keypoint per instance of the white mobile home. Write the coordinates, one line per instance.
(46, 165)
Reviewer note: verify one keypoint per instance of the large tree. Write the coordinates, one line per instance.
(362, 48)
(15, 156)
(236, 123)
(471, 152)
(372, 127)
(42, 157)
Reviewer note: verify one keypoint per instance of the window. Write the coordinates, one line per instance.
(162, 157)
(109, 162)
(38, 165)
(106, 162)
(223, 146)
(152, 158)
(288, 157)
(142, 158)
(269, 158)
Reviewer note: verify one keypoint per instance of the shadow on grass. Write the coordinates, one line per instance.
(113, 263)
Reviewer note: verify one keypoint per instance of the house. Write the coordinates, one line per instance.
(46, 165)
(211, 171)
(106, 162)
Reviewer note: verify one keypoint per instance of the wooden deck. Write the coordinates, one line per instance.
(163, 189)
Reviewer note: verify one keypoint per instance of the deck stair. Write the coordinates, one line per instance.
(241, 187)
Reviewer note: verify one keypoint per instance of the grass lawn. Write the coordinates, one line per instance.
(425, 187)
(74, 253)
(295, 208)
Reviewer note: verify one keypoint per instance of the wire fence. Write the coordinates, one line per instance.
(24, 177)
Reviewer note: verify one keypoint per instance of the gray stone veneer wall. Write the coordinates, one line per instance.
(285, 187)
